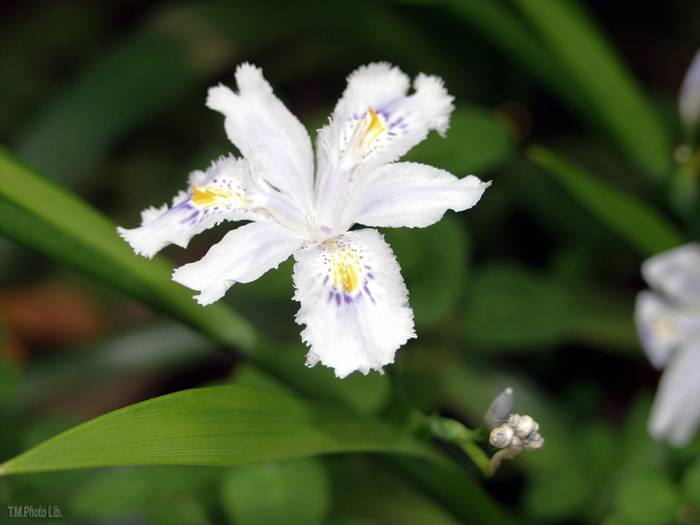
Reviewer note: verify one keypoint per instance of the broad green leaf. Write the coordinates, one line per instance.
(615, 98)
(691, 483)
(648, 498)
(635, 221)
(288, 492)
(434, 264)
(477, 141)
(225, 425)
(511, 308)
(40, 215)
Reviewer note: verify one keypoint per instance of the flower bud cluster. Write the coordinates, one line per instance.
(516, 434)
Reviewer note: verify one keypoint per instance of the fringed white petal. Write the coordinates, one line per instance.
(266, 133)
(243, 255)
(354, 303)
(676, 273)
(214, 196)
(409, 194)
(374, 123)
(676, 412)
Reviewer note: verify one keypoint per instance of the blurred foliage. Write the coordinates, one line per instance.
(533, 288)
(292, 492)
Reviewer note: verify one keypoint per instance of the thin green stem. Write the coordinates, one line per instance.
(467, 439)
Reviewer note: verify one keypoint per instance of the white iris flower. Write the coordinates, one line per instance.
(353, 299)
(668, 321)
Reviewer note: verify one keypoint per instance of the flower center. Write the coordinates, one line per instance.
(204, 197)
(373, 130)
(345, 275)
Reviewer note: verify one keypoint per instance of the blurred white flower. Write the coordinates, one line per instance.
(668, 322)
(689, 98)
(353, 299)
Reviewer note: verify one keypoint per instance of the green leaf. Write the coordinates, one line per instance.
(510, 308)
(615, 98)
(497, 23)
(225, 425)
(691, 484)
(648, 498)
(288, 492)
(638, 223)
(40, 215)
(477, 141)
(433, 294)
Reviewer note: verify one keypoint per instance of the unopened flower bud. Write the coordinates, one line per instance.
(516, 444)
(501, 437)
(534, 441)
(523, 426)
(500, 409)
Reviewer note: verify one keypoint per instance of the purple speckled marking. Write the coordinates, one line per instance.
(330, 296)
(370, 275)
(192, 218)
(184, 205)
(337, 298)
(369, 294)
(325, 280)
(347, 298)
(395, 123)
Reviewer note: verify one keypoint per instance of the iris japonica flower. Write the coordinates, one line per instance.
(354, 303)
(668, 322)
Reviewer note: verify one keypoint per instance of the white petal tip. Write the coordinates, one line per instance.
(431, 89)
(202, 300)
(140, 241)
(219, 98)
(250, 78)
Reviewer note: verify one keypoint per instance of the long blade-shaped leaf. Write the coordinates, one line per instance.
(640, 224)
(224, 425)
(616, 99)
(37, 213)
(503, 28)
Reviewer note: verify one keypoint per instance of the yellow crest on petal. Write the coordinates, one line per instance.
(204, 197)
(375, 128)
